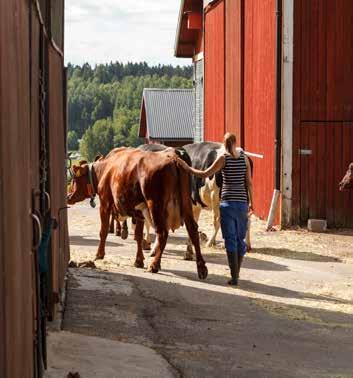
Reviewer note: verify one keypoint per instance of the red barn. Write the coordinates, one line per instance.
(278, 74)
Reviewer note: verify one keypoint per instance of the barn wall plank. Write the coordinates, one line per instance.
(296, 174)
(320, 172)
(347, 158)
(214, 73)
(259, 97)
(314, 62)
(234, 68)
(16, 203)
(312, 131)
(339, 80)
(304, 174)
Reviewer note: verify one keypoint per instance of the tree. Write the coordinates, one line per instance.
(126, 125)
(107, 99)
(133, 139)
(97, 140)
(72, 140)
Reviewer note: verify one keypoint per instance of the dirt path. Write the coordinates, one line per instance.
(291, 316)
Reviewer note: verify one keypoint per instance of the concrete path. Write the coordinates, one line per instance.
(290, 317)
(98, 357)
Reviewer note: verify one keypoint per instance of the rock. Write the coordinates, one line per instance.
(317, 225)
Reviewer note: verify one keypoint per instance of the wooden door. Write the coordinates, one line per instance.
(323, 109)
(325, 152)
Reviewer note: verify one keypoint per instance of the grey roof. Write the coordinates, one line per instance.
(169, 113)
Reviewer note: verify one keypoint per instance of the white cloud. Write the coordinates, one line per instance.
(123, 30)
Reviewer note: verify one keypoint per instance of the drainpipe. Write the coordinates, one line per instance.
(278, 113)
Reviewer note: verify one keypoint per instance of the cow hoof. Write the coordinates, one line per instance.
(124, 234)
(154, 268)
(248, 248)
(99, 257)
(203, 237)
(188, 256)
(111, 231)
(202, 271)
(146, 246)
(118, 233)
(211, 243)
(153, 253)
(139, 264)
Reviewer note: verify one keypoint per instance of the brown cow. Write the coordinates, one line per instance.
(347, 181)
(145, 185)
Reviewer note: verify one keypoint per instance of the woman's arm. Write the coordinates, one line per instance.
(214, 168)
(249, 183)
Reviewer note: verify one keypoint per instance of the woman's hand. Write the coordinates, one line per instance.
(251, 209)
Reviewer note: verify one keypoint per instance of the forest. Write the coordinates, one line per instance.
(104, 102)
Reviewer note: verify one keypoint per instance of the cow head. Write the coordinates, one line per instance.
(347, 181)
(80, 188)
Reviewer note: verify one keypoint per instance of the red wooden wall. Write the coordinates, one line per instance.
(214, 73)
(240, 84)
(259, 97)
(223, 70)
(17, 295)
(234, 68)
(24, 61)
(323, 109)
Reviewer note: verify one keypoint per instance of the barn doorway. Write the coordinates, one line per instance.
(323, 107)
(324, 155)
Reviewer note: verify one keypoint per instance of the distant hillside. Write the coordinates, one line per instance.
(107, 73)
(104, 102)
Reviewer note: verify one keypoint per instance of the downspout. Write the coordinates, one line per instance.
(278, 117)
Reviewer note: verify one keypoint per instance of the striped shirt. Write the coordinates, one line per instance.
(234, 176)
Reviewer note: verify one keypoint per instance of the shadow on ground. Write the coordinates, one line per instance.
(82, 241)
(295, 255)
(221, 259)
(258, 288)
(197, 330)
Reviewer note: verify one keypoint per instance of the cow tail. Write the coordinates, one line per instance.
(198, 184)
(182, 154)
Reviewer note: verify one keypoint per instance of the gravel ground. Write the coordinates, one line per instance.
(291, 316)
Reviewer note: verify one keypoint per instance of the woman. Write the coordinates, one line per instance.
(236, 200)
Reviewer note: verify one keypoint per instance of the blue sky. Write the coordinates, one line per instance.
(124, 30)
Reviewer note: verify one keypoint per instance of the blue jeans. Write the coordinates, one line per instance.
(234, 224)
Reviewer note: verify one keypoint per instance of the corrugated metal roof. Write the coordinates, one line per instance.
(169, 113)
